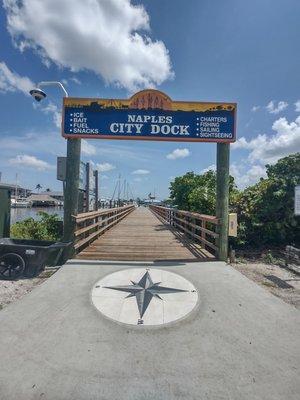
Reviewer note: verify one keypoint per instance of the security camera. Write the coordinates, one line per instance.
(37, 94)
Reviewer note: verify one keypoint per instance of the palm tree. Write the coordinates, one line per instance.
(48, 190)
(38, 187)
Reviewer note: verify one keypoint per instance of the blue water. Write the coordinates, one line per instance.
(19, 214)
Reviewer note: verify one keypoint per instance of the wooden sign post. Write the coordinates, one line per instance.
(222, 201)
(72, 189)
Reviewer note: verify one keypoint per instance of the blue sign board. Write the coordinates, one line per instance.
(132, 119)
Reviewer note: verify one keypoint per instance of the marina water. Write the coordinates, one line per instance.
(19, 214)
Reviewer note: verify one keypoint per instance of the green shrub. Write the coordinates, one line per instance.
(194, 192)
(268, 258)
(266, 209)
(49, 227)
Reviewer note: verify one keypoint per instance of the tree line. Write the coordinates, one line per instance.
(265, 210)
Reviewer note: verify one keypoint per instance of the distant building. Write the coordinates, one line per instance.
(43, 200)
(17, 190)
(55, 195)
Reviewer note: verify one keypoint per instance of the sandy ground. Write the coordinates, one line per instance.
(11, 291)
(259, 271)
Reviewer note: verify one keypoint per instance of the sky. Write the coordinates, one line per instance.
(200, 50)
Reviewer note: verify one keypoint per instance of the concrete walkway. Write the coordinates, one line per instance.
(240, 343)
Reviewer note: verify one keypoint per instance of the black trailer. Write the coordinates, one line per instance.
(29, 257)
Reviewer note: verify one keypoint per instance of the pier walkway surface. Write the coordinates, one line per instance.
(239, 343)
(141, 236)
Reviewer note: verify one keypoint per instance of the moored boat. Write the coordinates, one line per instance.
(19, 203)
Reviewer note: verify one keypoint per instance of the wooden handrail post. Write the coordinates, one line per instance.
(203, 234)
(194, 222)
(222, 203)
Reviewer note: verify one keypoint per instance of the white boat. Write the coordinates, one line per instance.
(16, 201)
(19, 203)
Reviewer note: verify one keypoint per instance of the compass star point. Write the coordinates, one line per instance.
(144, 291)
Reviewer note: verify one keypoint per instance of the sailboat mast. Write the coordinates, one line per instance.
(16, 187)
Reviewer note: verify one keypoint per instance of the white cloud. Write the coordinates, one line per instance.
(12, 82)
(245, 176)
(48, 143)
(178, 153)
(273, 109)
(87, 148)
(75, 80)
(297, 106)
(268, 149)
(57, 118)
(107, 37)
(104, 167)
(241, 143)
(31, 162)
(50, 108)
(209, 168)
(255, 108)
(140, 172)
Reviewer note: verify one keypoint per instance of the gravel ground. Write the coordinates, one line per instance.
(258, 272)
(11, 291)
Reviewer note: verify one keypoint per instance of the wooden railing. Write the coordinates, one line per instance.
(200, 228)
(90, 225)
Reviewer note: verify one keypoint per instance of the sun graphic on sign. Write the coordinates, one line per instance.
(150, 99)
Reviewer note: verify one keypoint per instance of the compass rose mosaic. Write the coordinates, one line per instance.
(144, 296)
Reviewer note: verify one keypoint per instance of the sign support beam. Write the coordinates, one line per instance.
(96, 175)
(5, 198)
(72, 188)
(222, 203)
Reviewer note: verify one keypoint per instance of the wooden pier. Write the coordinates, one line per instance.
(141, 236)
